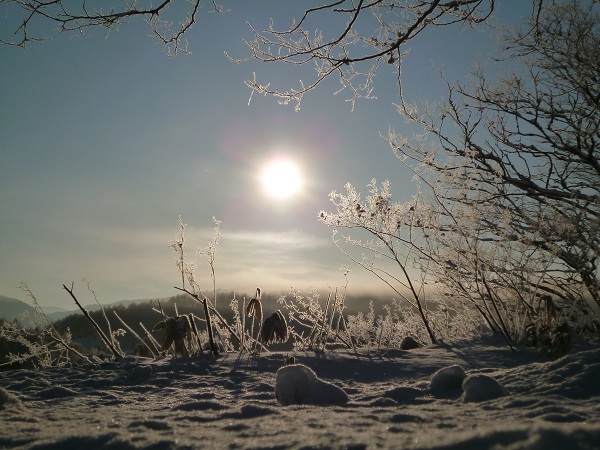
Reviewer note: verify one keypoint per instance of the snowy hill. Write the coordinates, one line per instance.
(12, 308)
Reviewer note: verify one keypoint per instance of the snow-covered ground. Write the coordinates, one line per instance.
(230, 402)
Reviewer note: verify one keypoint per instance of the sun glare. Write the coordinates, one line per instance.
(281, 179)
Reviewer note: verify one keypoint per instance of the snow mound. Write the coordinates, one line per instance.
(481, 388)
(409, 343)
(574, 376)
(447, 379)
(298, 385)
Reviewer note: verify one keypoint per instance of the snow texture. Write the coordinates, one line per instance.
(230, 402)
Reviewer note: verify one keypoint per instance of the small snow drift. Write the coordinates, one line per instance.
(298, 385)
(447, 379)
(9, 400)
(480, 388)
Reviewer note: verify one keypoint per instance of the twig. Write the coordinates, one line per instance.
(107, 342)
(67, 346)
(151, 339)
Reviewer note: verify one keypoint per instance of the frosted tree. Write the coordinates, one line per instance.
(517, 164)
(508, 213)
(394, 239)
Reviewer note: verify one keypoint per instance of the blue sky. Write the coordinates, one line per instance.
(105, 141)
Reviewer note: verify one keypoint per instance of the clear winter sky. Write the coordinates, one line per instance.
(105, 141)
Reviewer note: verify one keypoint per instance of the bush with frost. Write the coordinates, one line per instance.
(315, 324)
(37, 344)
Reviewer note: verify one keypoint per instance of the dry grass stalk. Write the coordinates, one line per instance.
(275, 328)
(180, 331)
(254, 309)
(137, 336)
(151, 339)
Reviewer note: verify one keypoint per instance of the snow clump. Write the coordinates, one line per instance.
(447, 379)
(480, 388)
(298, 385)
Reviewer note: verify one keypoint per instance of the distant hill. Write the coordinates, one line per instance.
(12, 308)
(55, 314)
(53, 309)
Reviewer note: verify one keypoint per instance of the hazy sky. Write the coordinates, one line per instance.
(105, 141)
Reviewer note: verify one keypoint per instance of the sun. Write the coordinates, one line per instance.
(281, 179)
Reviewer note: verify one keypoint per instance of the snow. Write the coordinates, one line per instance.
(447, 379)
(230, 402)
(299, 385)
(481, 388)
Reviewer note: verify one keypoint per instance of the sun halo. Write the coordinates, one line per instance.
(281, 179)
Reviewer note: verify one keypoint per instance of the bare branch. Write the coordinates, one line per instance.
(353, 53)
(69, 16)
